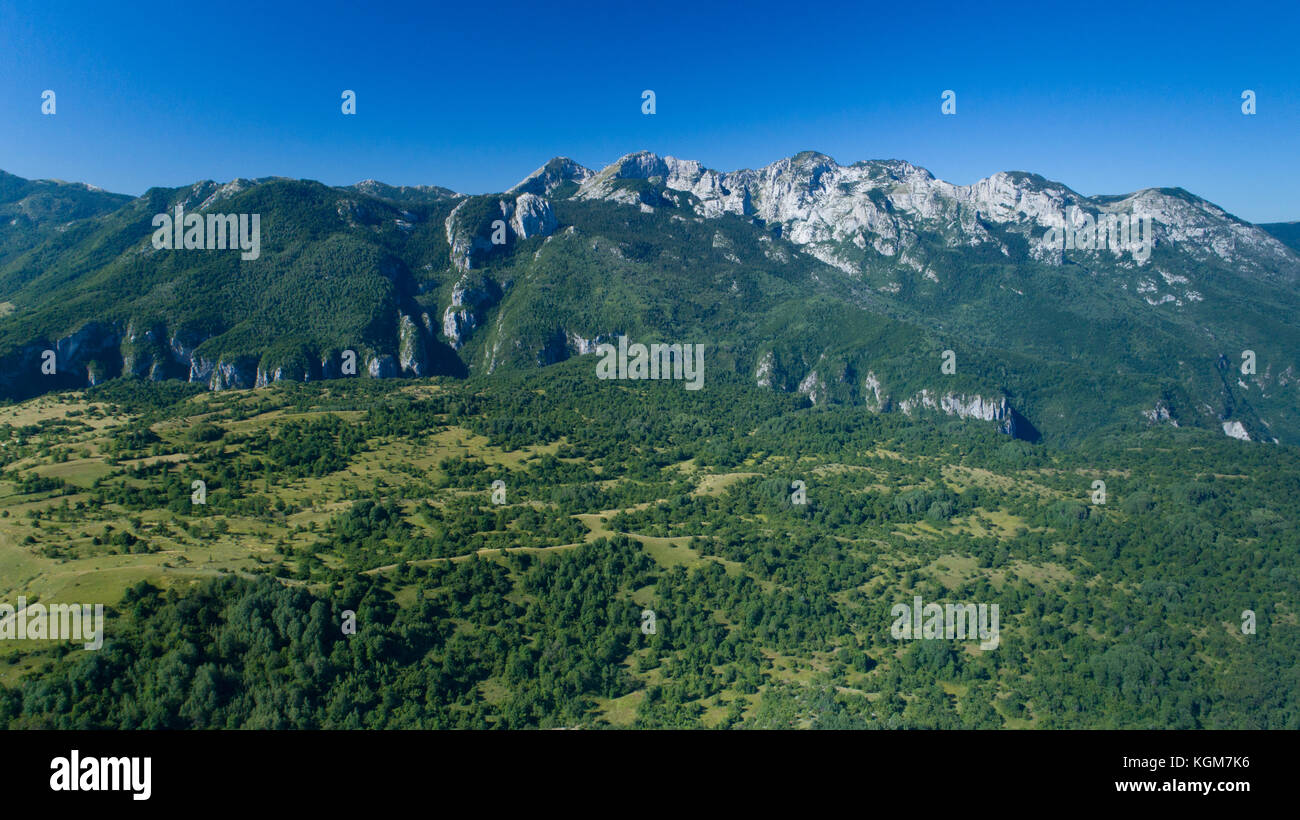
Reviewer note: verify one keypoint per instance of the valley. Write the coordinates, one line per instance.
(376, 497)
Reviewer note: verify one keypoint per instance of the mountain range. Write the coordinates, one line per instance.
(848, 284)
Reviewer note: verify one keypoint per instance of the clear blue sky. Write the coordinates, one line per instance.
(1105, 97)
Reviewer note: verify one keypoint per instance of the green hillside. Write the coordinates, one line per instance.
(375, 498)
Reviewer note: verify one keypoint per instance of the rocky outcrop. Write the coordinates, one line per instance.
(237, 373)
(99, 351)
(140, 350)
(470, 232)
(877, 399)
(88, 355)
(813, 387)
(1236, 429)
(296, 366)
(457, 324)
(958, 404)
(412, 355)
(1160, 415)
(975, 407)
(470, 297)
(562, 344)
(381, 366)
(582, 346)
(201, 369)
(871, 393)
(267, 377)
(93, 341)
(466, 240)
(532, 216)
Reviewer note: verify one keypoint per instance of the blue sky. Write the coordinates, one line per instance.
(1105, 97)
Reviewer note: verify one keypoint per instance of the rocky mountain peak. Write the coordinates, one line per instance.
(555, 173)
(841, 212)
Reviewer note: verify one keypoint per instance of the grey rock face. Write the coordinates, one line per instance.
(411, 355)
(470, 238)
(239, 374)
(201, 369)
(582, 347)
(465, 240)
(457, 325)
(1160, 415)
(462, 316)
(99, 351)
(564, 343)
(533, 216)
(884, 205)
(1236, 429)
(763, 373)
(959, 405)
(813, 387)
(93, 340)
